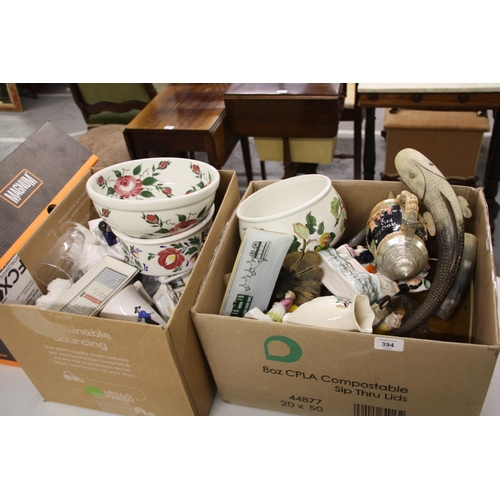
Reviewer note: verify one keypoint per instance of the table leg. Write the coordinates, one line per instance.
(369, 156)
(129, 144)
(358, 120)
(263, 170)
(287, 159)
(492, 173)
(247, 160)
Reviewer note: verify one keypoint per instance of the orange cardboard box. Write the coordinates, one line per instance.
(33, 178)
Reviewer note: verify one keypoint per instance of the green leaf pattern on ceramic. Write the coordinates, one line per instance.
(184, 254)
(148, 181)
(169, 227)
(203, 182)
(337, 208)
(301, 231)
(146, 184)
(311, 230)
(132, 255)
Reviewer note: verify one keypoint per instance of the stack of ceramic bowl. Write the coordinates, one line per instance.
(160, 209)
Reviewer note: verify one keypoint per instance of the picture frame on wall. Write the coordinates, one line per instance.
(9, 97)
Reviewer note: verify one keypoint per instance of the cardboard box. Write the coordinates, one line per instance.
(450, 139)
(317, 371)
(109, 365)
(34, 177)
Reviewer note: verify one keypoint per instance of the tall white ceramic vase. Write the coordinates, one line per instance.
(335, 313)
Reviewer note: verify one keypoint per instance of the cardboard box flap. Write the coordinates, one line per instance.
(77, 207)
(38, 173)
(184, 337)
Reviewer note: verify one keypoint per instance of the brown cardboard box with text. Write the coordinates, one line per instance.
(115, 366)
(317, 371)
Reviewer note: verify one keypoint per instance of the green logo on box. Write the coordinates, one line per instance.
(295, 351)
(93, 391)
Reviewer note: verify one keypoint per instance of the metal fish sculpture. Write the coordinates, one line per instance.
(447, 211)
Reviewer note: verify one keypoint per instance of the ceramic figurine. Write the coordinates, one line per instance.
(391, 321)
(396, 234)
(418, 284)
(380, 310)
(107, 233)
(345, 277)
(358, 252)
(279, 309)
(336, 313)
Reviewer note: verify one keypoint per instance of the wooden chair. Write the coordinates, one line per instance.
(116, 103)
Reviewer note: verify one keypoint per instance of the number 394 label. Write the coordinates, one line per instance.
(389, 344)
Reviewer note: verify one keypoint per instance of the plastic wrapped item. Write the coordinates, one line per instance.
(54, 290)
(169, 293)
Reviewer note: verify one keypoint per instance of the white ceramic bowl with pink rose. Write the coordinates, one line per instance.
(154, 197)
(169, 256)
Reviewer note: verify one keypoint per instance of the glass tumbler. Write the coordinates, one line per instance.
(65, 258)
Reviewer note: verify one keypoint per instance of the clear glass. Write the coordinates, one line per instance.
(65, 258)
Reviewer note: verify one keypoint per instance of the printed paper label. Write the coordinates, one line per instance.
(389, 344)
(16, 284)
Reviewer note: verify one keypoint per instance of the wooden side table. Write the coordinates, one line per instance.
(285, 110)
(184, 117)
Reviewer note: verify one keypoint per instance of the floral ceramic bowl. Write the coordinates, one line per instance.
(154, 197)
(306, 206)
(168, 256)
